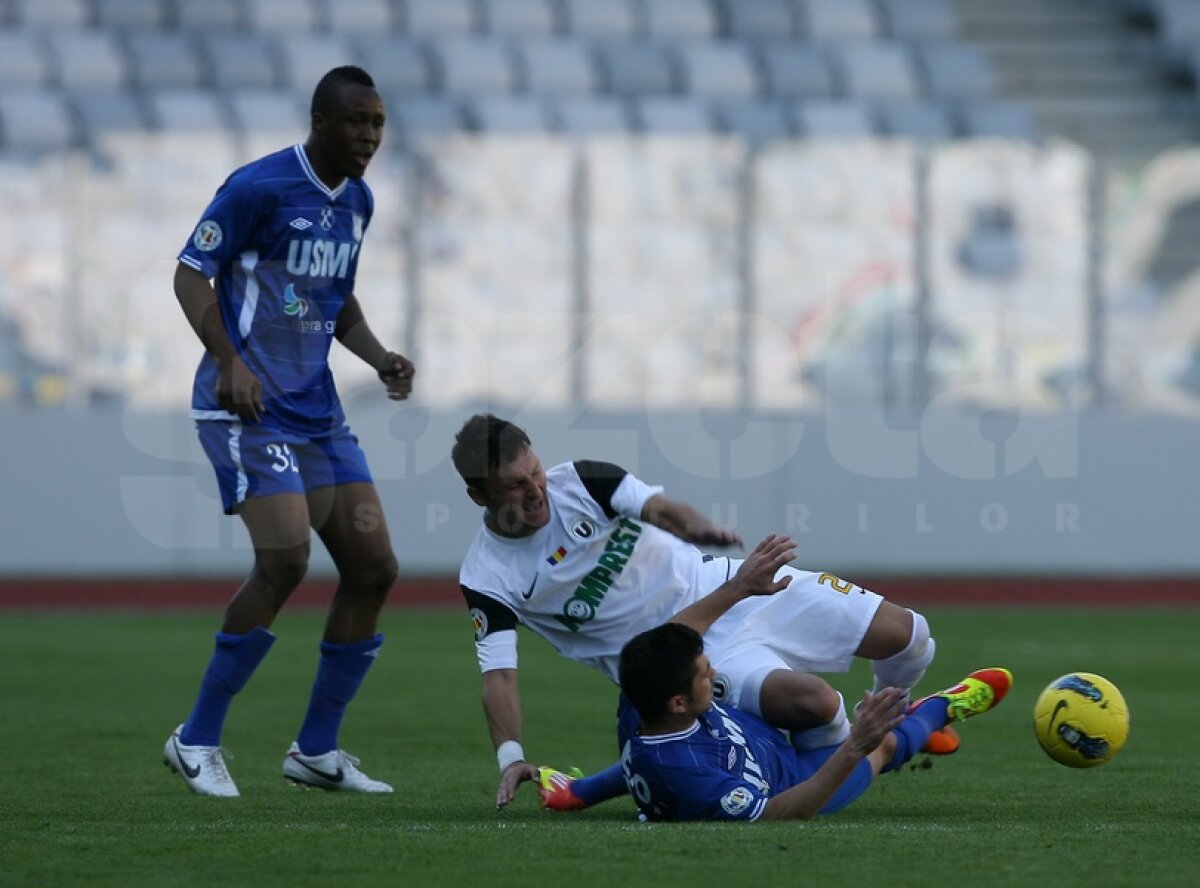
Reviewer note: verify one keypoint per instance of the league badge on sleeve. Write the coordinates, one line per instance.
(480, 620)
(207, 237)
(736, 801)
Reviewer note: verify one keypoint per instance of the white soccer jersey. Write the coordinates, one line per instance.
(595, 576)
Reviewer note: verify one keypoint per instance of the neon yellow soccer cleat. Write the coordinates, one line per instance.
(555, 789)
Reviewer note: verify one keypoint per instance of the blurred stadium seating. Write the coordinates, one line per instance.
(706, 56)
(1088, 69)
(757, 84)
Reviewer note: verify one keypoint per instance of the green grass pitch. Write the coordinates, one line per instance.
(86, 702)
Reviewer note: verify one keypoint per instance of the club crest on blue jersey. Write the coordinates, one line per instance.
(208, 236)
(326, 218)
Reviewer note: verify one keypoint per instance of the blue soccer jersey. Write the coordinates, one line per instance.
(724, 767)
(283, 250)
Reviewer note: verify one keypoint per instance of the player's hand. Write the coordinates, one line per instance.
(239, 391)
(396, 372)
(878, 714)
(756, 576)
(514, 775)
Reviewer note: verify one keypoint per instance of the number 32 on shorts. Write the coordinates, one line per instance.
(836, 583)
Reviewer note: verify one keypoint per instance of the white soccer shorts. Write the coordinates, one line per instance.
(814, 625)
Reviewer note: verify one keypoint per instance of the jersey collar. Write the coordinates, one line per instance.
(654, 739)
(331, 193)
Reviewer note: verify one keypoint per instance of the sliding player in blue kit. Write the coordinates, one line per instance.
(684, 757)
(281, 240)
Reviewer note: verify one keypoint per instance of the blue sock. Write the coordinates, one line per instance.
(601, 786)
(341, 671)
(914, 731)
(233, 662)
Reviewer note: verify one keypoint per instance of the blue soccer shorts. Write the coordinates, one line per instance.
(257, 460)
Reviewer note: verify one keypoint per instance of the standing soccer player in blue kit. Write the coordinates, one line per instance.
(281, 240)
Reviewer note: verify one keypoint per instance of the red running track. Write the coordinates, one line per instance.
(172, 593)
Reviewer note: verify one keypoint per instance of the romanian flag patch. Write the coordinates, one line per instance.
(558, 556)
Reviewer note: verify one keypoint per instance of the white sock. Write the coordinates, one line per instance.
(905, 669)
(831, 734)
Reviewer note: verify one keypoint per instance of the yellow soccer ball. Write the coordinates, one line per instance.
(1081, 720)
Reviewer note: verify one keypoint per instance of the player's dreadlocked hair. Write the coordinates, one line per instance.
(483, 443)
(329, 86)
(657, 665)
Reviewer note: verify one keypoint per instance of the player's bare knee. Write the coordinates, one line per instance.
(281, 570)
(890, 632)
(798, 700)
(374, 578)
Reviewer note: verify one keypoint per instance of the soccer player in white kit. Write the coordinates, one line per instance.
(587, 556)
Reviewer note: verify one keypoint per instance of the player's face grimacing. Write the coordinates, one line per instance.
(516, 499)
(348, 135)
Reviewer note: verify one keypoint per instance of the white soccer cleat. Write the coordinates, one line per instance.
(201, 767)
(334, 770)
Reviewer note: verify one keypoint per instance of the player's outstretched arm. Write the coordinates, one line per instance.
(395, 371)
(686, 523)
(877, 716)
(238, 390)
(756, 576)
(502, 706)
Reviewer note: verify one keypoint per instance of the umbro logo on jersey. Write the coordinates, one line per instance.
(300, 223)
